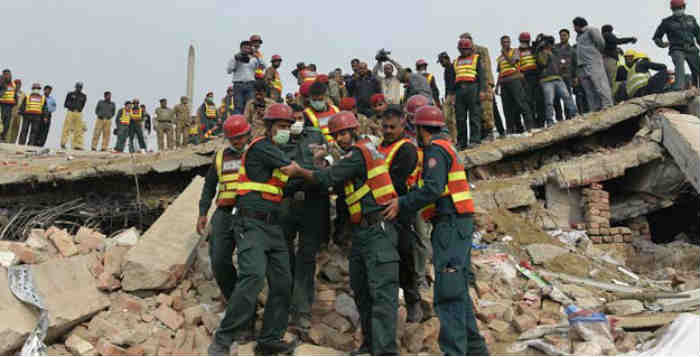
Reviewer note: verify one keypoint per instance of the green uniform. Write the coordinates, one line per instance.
(310, 217)
(451, 240)
(262, 253)
(122, 131)
(374, 259)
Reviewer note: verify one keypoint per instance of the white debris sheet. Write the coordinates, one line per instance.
(682, 338)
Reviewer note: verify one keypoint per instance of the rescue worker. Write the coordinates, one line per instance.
(640, 82)
(490, 117)
(262, 248)
(16, 121)
(73, 126)
(104, 111)
(208, 114)
(362, 181)
(683, 33)
(444, 197)
(448, 106)
(308, 213)
(122, 121)
(255, 108)
(619, 88)
(272, 79)
(527, 63)
(403, 159)
(470, 88)
(227, 105)
(224, 174)
(8, 98)
(373, 126)
(182, 119)
(136, 126)
(510, 87)
(422, 69)
(33, 112)
(319, 113)
(165, 122)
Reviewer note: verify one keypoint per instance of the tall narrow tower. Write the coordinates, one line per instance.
(190, 75)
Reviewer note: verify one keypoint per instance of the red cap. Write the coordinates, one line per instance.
(347, 103)
(421, 62)
(323, 78)
(276, 58)
(376, 98)
(525, 36)
(236, 125)
(429, 116)
(305, 88)
(341, 121)
(677, 3)
(279, 111)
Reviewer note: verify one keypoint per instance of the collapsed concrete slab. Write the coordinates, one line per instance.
(69, 292)
(681, 137)
(168, 247)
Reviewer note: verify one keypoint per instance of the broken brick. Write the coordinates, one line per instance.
(169, 317)
(64, 243)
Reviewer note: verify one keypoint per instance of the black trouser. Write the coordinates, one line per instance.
(6, 113)
(33, 122)
(468, 114)
(656, 84)
(44, 126)
(581, 102)
(515, 103)
(136, 129)
(535, 98)
(407, 262)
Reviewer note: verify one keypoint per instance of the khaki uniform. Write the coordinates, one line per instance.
(182, 119)
(165, 118)
(73, 126)
(255, 115)
(270, 75)
(13, 130)
(487, 103)
(103, 127)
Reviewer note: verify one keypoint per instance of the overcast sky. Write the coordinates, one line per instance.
(139, 48)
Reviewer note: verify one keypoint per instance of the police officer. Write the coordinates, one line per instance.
(222, 239)
(683, 33)
(403, 158)
(262, 248)
(444, 197)
(182, 119)
(122, 121)
(363, 183)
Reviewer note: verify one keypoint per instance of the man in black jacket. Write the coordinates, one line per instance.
(683, 33)
(362, 88)
(610, 52)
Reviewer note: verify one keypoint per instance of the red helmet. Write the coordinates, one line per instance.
(421, 62)
(236, 125)
(254, 38)
(276, 58)
(524, 36)
(347, 103)
(464, 43)
(341, 121)
(429, 116)
(677, 3)
(415, 102)
(305, 88)
(279, 111)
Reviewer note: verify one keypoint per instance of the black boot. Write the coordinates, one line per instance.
(363, 350)
(217, 349)
(275, 348)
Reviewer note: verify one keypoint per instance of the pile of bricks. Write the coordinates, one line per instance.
(639, 227)
(596, 208)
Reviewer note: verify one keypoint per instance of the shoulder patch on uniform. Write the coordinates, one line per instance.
(432, 162)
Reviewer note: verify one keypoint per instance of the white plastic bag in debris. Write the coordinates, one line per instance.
(680, 339)
(22, 286)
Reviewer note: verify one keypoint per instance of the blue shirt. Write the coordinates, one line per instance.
(50, 104)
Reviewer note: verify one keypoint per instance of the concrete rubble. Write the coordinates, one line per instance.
(577, 214)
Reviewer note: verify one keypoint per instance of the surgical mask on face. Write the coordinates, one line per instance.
(281, 137)
(318, 104)
(678, 12)
(209, 99)
(35, 91)
(297, 128)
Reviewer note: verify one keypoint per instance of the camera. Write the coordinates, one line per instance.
(543, 40)
(382, 55)
(242, 57)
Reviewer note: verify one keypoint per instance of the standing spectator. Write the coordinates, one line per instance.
(243, 66)
(448, 106)
(272, 79)
(182, 119)
(104, 110)
(33, 111)
(165, 120)
(46, 122)
(422, 69)
(73, 126)
(591, 70)
(565, 52)
(415, 83)
(581, 102)
(683, 33)
(611, 53)
(16, 121)
(362, 88)
(336, 86)
(391, 86)
(8, 98)
(510, 87)
(551, 82)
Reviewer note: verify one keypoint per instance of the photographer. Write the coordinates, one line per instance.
(243, 66)
(551, 81)
(391, 86)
